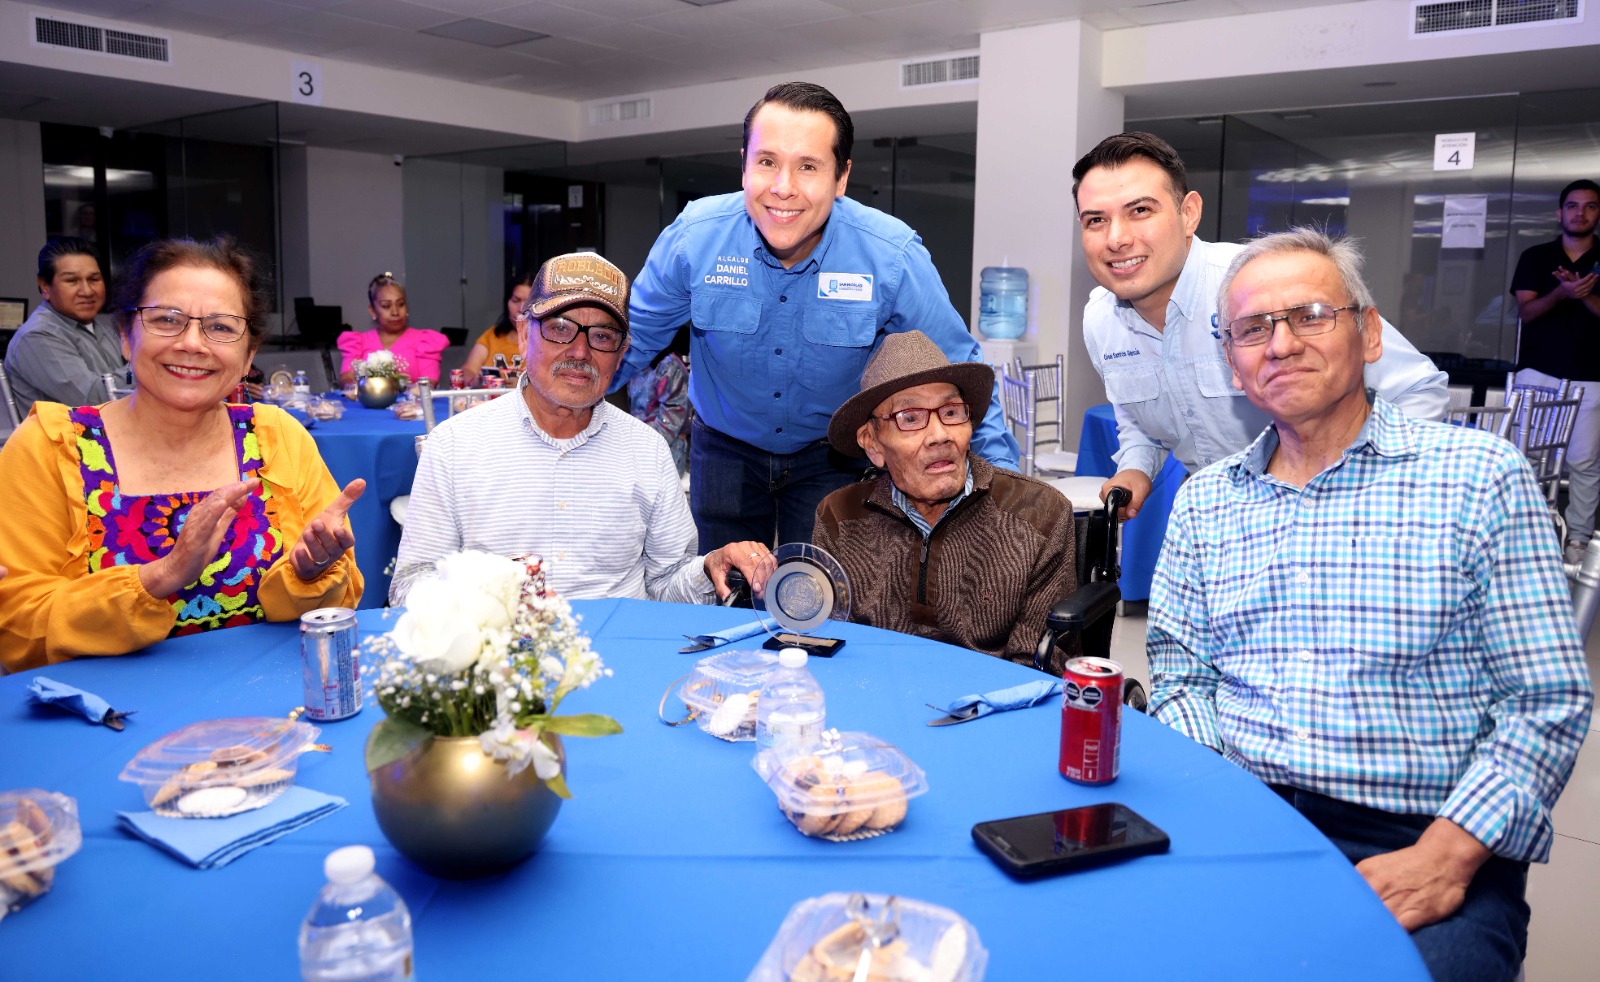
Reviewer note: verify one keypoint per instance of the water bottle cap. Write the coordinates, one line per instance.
(349, 865)
(792, 658)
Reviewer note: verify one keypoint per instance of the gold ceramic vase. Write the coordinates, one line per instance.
(450, 808)
(377, 392)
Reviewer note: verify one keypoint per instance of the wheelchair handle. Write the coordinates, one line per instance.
(738, 587)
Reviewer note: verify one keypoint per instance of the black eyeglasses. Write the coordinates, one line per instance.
(1305, 321)
(602, 337)
(168, 323)
(916, 418)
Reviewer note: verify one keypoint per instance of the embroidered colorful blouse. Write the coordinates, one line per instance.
(127, 530)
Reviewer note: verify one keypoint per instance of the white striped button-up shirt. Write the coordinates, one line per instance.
(604, 509)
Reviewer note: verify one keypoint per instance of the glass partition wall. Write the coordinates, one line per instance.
(1370, 171)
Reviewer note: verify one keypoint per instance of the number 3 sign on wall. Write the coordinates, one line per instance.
(305, 83)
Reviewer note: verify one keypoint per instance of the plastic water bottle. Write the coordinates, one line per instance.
(359, 930)
(302, 384)
(1003, 302)
(790, 706)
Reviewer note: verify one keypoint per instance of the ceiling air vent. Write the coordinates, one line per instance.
(947, 70)
(1456, 16)
(56, 33)
(617, 112)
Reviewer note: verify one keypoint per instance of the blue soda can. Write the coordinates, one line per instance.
(330, 664)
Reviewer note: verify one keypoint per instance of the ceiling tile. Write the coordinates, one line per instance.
(246, 13)
(484, 33)
(625, 37)
(468, 8)
(115, 9)
(190, 23)
(622, 9)
(781, 13)
(701, 23)
(548, 18)
(285, 40)
(311, 4)
(562, 51)
(393, 13)
(337, 30)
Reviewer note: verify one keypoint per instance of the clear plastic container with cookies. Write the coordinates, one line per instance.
(38, 830)
(720, 693)
(844, 786)
(220, 767)
(830, 938)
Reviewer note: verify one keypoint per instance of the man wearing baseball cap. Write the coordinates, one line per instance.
(943, 544)
(558, 472)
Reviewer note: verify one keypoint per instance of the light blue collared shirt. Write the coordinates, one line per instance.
(904, 504)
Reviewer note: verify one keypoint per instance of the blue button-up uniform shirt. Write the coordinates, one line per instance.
(1397, 633)
(1173, 389)
(775, 351)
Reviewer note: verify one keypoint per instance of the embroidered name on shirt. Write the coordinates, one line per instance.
(730, 271)
(1114, 355)
(844, 286)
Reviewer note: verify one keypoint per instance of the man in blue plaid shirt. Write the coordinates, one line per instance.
(1368, 612)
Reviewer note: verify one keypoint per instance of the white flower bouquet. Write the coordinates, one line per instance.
(381, 364)
(484, 650)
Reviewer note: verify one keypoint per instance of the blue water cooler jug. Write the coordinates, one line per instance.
(1003, 302)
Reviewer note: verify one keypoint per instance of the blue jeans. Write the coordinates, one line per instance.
(737, 491)
(1485, 939)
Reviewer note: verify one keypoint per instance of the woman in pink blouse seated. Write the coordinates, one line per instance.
(419, 349)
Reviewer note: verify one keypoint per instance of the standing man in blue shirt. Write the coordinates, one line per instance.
(1367, 612)
(791, 287)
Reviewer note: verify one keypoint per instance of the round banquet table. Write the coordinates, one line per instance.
(373, 444)
(672, 859)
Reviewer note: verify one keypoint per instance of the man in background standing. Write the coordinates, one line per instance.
(1148, 325)
(1554, 287)
(791, 287)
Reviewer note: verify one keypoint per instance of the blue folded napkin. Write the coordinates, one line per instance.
(737, 633)
(1000, 700)
(210, 843)
(63, 696)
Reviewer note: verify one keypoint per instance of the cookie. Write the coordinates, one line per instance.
(887, 795)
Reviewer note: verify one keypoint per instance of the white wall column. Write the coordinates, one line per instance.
(1040, 108)
(22, 232)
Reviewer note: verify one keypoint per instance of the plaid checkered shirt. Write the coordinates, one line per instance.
(1397, 633)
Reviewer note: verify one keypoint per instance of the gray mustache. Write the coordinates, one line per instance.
(573, 365)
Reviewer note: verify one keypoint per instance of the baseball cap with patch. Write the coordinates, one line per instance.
(576, 279)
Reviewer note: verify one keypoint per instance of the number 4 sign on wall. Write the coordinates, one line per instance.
(305, 83)
(1453, 151)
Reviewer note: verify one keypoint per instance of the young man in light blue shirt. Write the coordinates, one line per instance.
(790, 287)
(1148, 325)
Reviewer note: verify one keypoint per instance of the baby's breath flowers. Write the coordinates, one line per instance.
(484, 650)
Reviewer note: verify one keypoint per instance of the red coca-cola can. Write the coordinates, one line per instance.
(241, 395)
(1091, 720)
(458, 378)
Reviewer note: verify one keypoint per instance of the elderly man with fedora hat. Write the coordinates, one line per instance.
(557, 472)
(941, 544)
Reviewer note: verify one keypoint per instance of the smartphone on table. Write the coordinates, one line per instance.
(1071, 838)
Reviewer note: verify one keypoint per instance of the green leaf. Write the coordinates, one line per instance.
(582, 725)
(392, 739)
(558, 784)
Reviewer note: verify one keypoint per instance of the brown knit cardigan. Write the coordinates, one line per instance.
(985, 578)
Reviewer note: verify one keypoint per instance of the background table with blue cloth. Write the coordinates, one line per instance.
(1142, 535)
(672, 860)
(373, 444)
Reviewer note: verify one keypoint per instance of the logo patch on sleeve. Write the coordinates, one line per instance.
(844, 286)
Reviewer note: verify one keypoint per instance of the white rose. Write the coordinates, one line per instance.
(382, 358)
(433, 633)
(488, 587)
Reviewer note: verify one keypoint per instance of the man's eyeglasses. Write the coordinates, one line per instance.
(911, 420)
(1306, 321)
(168, 323)
(602, 337)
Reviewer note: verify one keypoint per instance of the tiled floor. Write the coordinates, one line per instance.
(1564, 938)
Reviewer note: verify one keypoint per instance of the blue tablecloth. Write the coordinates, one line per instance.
(672, 861)
(1141, 536)
(373, 444)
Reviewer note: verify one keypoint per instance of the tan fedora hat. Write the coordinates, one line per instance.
(904, 361)
(579, 279)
